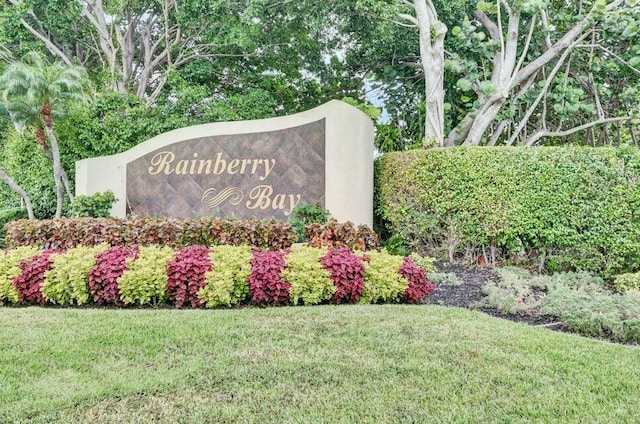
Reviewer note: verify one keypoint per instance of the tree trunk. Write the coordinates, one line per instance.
(21, 192)
(432, 33)
(57, 167)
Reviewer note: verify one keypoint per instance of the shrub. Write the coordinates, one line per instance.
(396, 245)
(594, 311)
(305, 214)
(145, 280)
(8, 215)
(626, 282)
(419, 286)
(109, 267)
(556, 208)
(514, 293)
(32, 272)
(9, 269)
(424, 262)
(265, 282)
(228, 280)
(346, 270)
(186, 275)
(95, 206)
(383, 283)
(309, 281)
(346, 234)
(66, 233)
(66, 282)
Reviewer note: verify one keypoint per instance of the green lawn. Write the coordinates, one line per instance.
(316, 364)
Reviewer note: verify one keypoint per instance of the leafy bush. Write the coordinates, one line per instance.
(95, 206)
(66, 282)
(109, 267)
(423, 262)
(8, 215)
(265, 282)
(66, 233)
(32, 273)
(309, 281)
(346, 234)
(186, 275)
(626, 282)
(228, 280)
(419, 286)
(9, 269)
(305, 214)
(383, 283)
(346, 270)
(145, 280)
(556, 208)
(396, 245)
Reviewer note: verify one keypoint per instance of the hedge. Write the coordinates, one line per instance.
(198, 276)
(559, 208)
(66, 233)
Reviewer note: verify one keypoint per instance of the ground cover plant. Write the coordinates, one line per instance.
(575, 301)
(197, 276)
(352, 363)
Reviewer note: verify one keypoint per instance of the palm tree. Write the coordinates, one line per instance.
(35, 92)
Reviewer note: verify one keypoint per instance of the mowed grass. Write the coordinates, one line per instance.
(352, 364)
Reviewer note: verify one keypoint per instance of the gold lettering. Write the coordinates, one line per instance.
(261, 195)
(220, 165)
(205, 163)
(182, 167)
(192, 170)
(231, 169)
(161, 162)
(278, 201)
(293, 202)
(245, 162)
(256, 162)
(268, 167)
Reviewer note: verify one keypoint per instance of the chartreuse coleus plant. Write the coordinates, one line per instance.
(66, 283)
(227, 281)
(383, 283)
(9, 269)
(145, 280)
(310, 282)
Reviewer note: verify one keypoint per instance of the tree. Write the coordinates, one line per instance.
(519, 71)
(34, 92)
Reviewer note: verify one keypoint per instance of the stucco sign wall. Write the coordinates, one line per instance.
(262, 168)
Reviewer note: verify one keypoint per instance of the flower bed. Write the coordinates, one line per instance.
(198, 276)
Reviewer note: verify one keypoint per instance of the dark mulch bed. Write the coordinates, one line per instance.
(469, 292)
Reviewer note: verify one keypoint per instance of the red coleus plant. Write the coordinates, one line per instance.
(347, 273)
(418, 286)
(103, 277)
(28, 282)
(186, 275)
(265, 283)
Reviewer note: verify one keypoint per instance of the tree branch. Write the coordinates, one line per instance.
(540, 134)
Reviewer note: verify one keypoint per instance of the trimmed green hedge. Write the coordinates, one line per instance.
(225, 276)
(559, 208)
